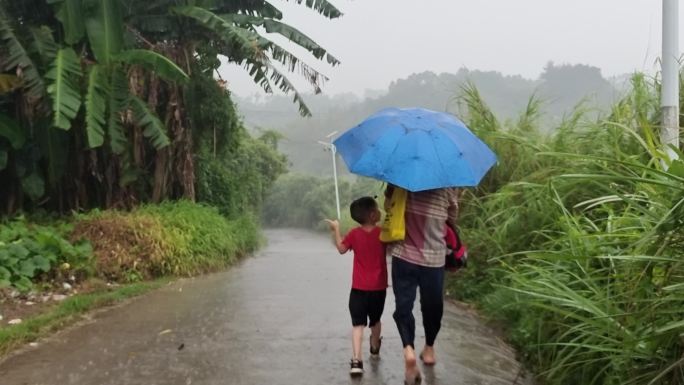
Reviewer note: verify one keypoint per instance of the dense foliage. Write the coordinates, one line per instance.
(110, 105)
(97, 96)
(235, 170)
(576, 242)
(29, 251)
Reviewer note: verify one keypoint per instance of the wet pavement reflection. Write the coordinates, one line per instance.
(278, 318)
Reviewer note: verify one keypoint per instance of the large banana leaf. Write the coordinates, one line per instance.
(105, 27)
(260, 75)
(70, 14)
(252, 47)
(15, 58)
(293, 63)
(249, 7)
(263, 74)
(293, 34)
(153, 128)
(323, 7)
(265, 9)
(117, 105)
(159, 64)
(54, 147)
(11, 130)
(244, 41)
(282, 82)
(95, 105)
(66, 97)
(44, 46)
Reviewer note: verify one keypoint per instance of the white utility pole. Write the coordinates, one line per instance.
(333, 151)
(669, 133)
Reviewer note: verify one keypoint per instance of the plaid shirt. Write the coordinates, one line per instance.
(426, 215)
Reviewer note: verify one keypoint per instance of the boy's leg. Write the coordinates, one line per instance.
(376, 333)
(357, 340)
(432, 308)
(358, 310)
(376, 307)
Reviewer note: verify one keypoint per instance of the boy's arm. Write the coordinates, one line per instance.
(337, 238)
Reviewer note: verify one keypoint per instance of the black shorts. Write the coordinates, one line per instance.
(366, 306)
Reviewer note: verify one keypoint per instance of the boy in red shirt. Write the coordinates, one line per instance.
(369, 276)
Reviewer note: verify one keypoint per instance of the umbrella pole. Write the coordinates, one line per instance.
(333, 151)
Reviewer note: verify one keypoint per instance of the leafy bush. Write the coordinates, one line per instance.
(234, 169)
(28, 251)
(239, 180)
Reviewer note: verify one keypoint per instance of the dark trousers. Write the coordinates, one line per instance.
(406, 277)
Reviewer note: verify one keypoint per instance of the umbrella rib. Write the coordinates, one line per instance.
(396, 147)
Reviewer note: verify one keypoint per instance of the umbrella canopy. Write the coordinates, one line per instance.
(417, 149)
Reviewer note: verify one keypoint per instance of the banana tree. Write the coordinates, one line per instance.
(97, 90)
(80, 83)
(193, 32)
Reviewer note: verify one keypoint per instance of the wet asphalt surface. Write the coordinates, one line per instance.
(278, 318)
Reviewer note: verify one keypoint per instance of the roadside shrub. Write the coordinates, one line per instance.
(172, 238)
(238, 180)
(127, 246)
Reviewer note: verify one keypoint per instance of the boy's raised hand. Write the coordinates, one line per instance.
(334, 224)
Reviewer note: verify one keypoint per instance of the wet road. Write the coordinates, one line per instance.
(279, 318)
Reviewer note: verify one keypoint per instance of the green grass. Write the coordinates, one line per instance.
(68, 312)
(577, 243)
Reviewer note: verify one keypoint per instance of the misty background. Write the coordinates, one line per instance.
(401, 53)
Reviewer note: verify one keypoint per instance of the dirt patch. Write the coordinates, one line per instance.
(126, 247)
(21, 306)
(15, 306)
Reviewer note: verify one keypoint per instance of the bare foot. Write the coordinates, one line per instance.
(412, 375)
(428, 355)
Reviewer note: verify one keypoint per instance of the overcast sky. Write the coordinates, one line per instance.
(381, 40)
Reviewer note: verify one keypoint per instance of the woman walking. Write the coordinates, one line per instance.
(418, 263)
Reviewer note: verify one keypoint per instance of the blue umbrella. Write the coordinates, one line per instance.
(417, 149)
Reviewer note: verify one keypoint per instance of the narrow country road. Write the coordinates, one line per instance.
(278, 318)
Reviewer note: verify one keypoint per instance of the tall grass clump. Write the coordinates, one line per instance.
(172, 238)
(577, 243)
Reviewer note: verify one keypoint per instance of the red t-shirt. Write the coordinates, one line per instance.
(370, 267)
